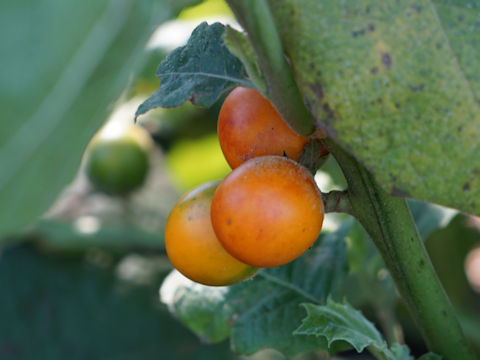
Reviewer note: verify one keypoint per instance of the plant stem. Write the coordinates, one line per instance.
(390, 225)
(256, 19)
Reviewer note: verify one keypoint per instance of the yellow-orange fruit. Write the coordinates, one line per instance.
(268, 211)
(192, 246)
(249, 126)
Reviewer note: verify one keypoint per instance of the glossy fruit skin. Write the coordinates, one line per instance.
(192, 246)
(268, 211)
(249, 126)
(119, 164)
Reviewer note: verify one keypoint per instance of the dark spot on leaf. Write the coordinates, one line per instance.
(379, 100)
(397, 105)
(386, 60)
(466, 186)
(460, 18)
(367, 9)
(318, 90)
(417, 88)
(398, 192)
(444, 313)
(412, 239)
(311, 66)
(459, 128)
(439, 45)
(328, 111)
(358, 32)
(229, 221)
(374, 70)
(319, 73)
(371, 27)
(393, 177)
(421, 263)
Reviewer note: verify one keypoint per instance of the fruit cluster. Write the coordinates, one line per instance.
(265, 213)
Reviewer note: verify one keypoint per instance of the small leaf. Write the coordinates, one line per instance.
(336, 322)
(200, 72)
(239, 46)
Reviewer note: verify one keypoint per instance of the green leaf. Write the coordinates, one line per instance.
(200, 72)
(399, 352)
(340, 322)
(430, 356)
(202, 308)
(336, 322)
(71, 308)
(63, 65)
(263, 312)
(239, 46)
(396, 84)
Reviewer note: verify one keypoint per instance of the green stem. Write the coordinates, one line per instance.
(390, 225)
(256, 19)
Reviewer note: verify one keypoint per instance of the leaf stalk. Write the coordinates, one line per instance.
(256, 18)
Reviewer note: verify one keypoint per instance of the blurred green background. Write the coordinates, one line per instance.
(82, 281)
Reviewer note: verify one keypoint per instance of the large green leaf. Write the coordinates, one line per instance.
(200, 72)
(68, 308)
(263, 312)
(396, 84)
(63, 65)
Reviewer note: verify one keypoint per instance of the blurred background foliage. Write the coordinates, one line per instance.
(83, 281)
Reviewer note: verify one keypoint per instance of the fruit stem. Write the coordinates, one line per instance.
(389, 223)
(256, 18)
(337, 201)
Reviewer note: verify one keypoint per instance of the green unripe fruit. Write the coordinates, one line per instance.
(119, 163)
